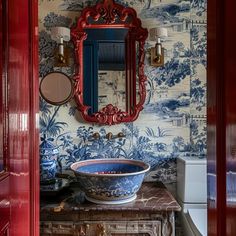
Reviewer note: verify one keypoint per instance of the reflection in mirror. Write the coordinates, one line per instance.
(56, 88)
(137, 73)
(105, 68)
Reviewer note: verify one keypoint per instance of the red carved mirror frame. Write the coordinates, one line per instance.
(112, 15)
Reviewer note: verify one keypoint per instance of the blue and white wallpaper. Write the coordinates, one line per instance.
(173, 121)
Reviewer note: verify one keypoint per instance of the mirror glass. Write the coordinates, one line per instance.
(104, 60)
(56, 88)
(137, 72)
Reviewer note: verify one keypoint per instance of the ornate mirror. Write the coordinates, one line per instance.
(56, 88)
(109, 50)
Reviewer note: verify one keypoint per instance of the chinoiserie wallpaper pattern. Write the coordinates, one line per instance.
(173, 121)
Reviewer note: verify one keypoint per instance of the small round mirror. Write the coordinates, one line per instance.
(56, 88)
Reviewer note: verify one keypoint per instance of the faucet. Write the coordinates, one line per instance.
(96, 135)
(108, 136)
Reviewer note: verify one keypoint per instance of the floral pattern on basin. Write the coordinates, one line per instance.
(110, 181)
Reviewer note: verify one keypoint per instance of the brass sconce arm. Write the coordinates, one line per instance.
(157, 52)
(61, 57)
(61, 35)
(158, 48)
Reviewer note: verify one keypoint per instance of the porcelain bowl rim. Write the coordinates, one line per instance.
(144, 165)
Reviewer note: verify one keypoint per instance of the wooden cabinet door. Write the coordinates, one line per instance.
(18, 116)
(221, 84)
(4, 175)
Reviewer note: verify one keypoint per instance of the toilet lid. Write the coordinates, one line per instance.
(198, 220)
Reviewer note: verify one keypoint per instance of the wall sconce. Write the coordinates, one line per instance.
(61, 35)
(157, 52)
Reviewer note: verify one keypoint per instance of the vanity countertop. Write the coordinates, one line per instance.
(151, 198)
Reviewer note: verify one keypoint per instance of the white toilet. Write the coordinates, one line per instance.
(192, 195)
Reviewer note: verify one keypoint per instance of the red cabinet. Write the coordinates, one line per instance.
(221, 84)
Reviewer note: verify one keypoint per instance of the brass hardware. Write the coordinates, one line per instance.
(61, 35)
(120, 135)
(102, 230)
(109, 136)
(96, 135)
(157, 60)
(61, 59)
(59, 208)
(157, 52)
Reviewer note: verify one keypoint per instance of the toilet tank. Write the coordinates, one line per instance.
(192, 179)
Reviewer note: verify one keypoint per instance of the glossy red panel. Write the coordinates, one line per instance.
(4, 176)
(221, 118)
(20, 111)
(230, 75)
(1, 86)
(18, 105)
(212, 77)
(4, 204)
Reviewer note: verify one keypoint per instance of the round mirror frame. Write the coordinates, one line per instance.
(108, 11)
(60, 102)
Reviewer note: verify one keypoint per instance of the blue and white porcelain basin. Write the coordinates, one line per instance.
(110, 181)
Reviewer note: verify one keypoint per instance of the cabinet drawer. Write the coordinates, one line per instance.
(99, 228)
(131, 228)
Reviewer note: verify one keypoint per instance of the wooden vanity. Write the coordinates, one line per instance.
(152, 213)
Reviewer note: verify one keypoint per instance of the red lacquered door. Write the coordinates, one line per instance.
(221, 82)
(19, 181)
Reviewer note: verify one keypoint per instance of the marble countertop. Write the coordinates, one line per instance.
(152, 198)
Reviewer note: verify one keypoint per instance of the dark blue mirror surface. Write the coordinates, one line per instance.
(104, 59)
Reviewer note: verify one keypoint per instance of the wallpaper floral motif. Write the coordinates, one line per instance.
(173, 121)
